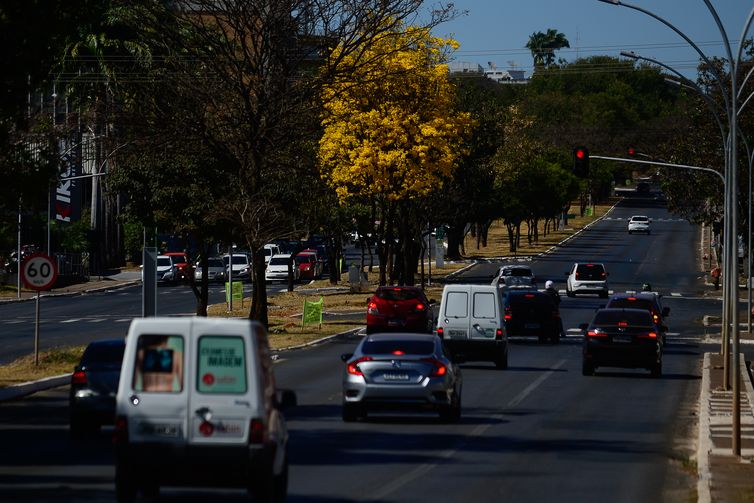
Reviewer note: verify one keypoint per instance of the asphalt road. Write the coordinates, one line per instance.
(538, 431)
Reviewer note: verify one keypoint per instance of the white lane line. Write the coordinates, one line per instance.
(122, 320)
(14, 322)
(72, 320)
(574, 330)
(421, 470)
(676, 294)
(97, 320)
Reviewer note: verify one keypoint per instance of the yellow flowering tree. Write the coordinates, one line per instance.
(392, 136)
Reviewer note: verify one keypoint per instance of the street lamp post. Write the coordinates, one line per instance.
(730, 277)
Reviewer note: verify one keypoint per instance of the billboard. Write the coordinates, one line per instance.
(66, 197)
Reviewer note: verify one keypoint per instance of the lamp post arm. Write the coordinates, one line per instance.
(749, 20)
(743, 83)
(720, 27)
(664, 164)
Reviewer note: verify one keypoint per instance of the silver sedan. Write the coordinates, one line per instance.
(399, 371)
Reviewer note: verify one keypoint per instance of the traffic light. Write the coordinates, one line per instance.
(581, 162)
(631, 152)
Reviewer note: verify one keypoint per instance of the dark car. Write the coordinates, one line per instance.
(531, 313)
(646, 300)
(94, 384)
(401, 371)
(625, 338)
(399, 308)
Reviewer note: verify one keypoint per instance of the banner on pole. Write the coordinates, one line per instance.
(237, 292)
(312, 312)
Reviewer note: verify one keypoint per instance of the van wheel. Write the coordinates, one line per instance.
(502, 360)
(125, 483)
(266, 487)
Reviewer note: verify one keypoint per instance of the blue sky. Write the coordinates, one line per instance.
(497, 30)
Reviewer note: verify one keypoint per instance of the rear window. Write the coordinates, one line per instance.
(159, 364)
(397, 294)
(103, 353)
(590, 271)
(636, 318)
(457, 305)
(484, 305)
(221, 366)
(632, 304)
(516, 271)
(640, 219)
(529, 299)
(392, 347)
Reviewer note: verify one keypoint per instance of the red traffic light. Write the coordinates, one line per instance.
(631, 151)
(580, 153)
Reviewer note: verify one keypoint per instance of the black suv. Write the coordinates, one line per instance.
(531, 313)
(649, 301)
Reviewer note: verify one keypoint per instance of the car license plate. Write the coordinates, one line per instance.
(159, 429)
(458, 334)
(622, 338)
(395, 377)
(531, 325)
(394, 323)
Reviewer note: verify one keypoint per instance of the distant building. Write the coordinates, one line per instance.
(465, 67)
(500, 76)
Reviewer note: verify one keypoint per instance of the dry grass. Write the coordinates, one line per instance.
(285, 309)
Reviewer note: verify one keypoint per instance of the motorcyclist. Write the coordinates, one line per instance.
(552, 292)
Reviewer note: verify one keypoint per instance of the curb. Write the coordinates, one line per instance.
(704, 442)
(27, 388)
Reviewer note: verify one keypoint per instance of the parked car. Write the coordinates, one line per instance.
(215, 270)
(399, 308)
(515, 271)
(587, 278)
(277, 269)
(94, 384)
(318, 252)
(308, 265)
(625, 338)
(401, 371)
(197, 406)
(651, 301)
(241, 266)
(531, 313)
(639, 223)
(470, 321)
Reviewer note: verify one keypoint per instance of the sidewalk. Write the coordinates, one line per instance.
(724, 477)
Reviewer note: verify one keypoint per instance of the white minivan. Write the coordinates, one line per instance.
(197, 406)
(470, 321)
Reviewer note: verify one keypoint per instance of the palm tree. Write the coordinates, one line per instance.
(544, 45)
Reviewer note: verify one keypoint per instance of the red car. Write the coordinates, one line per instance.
(308, 265)
(399, 308)
(182, 265)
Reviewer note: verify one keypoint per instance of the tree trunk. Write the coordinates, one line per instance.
(258, 309)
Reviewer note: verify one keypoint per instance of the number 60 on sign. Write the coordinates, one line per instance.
(39, 272)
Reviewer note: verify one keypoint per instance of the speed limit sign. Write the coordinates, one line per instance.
(39, 272)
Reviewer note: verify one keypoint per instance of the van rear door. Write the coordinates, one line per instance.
(153, 384)
(454, 315)
(225, 395)
(485, 315)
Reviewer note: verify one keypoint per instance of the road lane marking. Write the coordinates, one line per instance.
(122, 320)
(96, 320)
(425, 468)
(72, 320)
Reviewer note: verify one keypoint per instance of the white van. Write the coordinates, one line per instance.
(470, 321)
(197, 406)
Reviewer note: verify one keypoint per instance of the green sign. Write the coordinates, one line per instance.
(312, 312)
(237, 291)
(440, 232)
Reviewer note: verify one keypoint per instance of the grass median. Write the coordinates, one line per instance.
(345, 310)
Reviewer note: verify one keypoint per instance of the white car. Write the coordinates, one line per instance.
(241, 267)
(639, 223)
(587, 278)
(277, 268)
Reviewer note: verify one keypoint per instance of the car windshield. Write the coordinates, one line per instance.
(215, 262)
(164, 261)
(632, 318)
(304, 259)
(279, 261)
(397, 294)
(590, 272)
(237, 260)
(267, 252)
(397, 347)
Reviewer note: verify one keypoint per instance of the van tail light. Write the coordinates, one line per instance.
(440, 332)
(372, 308)
(440, 368)
(648, 335)
(353, 367)
(596, 333)
(420, 307)
(256, 431)
(499, 334)
(120, 435)
(79, 377)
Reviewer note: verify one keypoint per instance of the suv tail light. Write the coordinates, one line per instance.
(256, 431)
(120, 435)
(499, 334)
(353, 367)
(440, 368)
(508, 314)
(649, 335)
(577, 275)
(440, 332)
(79, 377)
(596, 333)
(420, 307)
(372, 308)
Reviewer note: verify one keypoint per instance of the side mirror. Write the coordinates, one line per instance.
(286, 399)
(346, 356)
(665, 312)
(583, 326)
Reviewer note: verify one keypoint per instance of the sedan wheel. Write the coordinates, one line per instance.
(351, 412)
